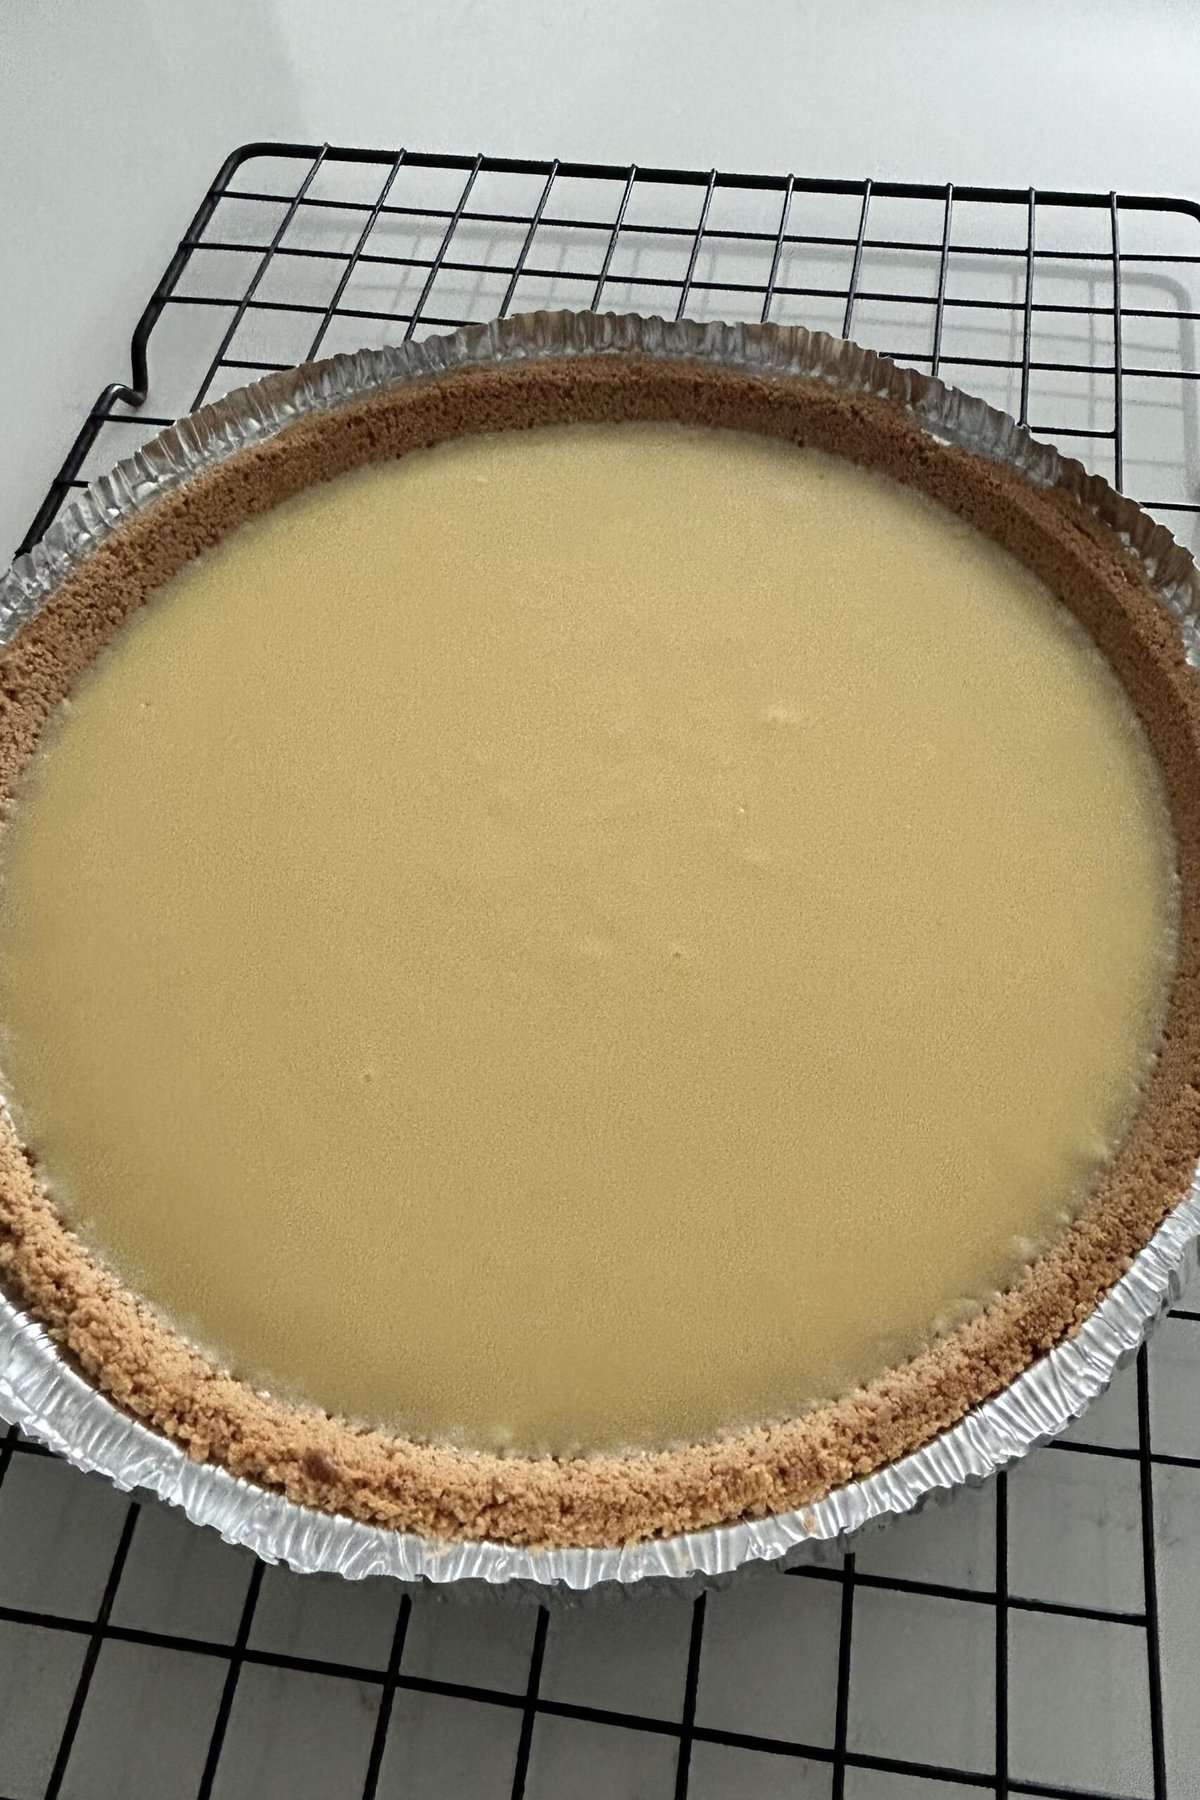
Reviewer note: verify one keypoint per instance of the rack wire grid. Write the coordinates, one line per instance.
(1038, 1636)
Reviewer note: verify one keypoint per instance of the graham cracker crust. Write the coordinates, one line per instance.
(150, 1370)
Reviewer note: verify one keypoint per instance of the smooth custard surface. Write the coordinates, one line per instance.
(584, 938)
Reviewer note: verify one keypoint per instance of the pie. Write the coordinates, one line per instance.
(591, 949)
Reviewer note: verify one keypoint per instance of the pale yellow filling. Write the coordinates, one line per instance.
(585, 938)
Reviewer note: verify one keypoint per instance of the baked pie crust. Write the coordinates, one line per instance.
(135, 1357)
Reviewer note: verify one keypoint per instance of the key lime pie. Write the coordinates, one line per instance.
(590, 949)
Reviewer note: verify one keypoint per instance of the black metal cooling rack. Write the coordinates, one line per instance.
(1074, 310)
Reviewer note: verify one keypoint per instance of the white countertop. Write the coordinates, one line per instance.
(114, 119)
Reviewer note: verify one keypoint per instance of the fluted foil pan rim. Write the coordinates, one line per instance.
(53, 1404)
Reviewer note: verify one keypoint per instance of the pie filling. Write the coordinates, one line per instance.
(585, 939)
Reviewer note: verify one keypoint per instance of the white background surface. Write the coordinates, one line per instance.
(114, 118)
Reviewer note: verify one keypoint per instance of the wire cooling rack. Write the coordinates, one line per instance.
(1040, 1636)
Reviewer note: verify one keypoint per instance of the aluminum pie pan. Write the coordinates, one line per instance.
(42, 1393)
